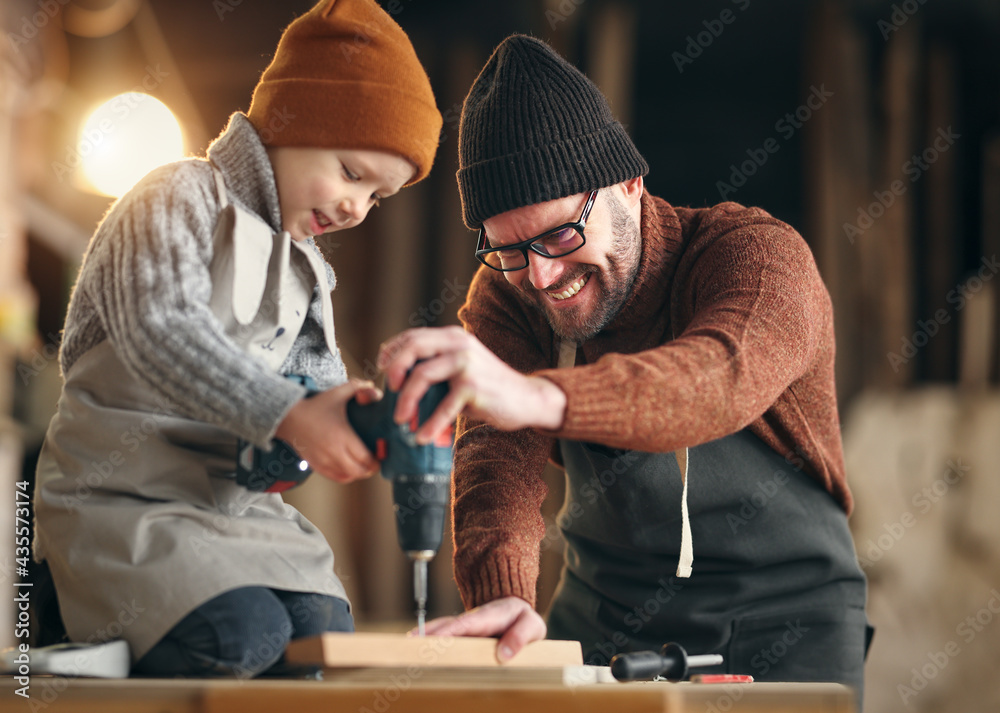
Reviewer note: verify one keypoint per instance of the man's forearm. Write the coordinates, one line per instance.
(496, 508)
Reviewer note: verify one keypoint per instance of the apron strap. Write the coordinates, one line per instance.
(567, 358)
(220, 186)
(567, 354)
(319, 270)
(686, 558)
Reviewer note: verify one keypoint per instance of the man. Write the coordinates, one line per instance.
(635, 342)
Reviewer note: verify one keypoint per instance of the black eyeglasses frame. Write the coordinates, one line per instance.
(529, 244)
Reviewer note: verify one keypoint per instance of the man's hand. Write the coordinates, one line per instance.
(318, 429)
(512, 618)
(482, 385)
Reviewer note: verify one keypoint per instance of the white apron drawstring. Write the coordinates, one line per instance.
(567, 358)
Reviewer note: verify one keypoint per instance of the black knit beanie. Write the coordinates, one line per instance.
(535, 128)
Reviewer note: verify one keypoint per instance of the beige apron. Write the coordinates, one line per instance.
(137, 511)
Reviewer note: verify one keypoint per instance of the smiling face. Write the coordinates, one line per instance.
(325, 190)
(582, 292)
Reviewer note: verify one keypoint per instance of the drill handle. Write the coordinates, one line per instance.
(369, 420)
(393, 443)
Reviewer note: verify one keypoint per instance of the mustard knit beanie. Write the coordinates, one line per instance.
(345, 76)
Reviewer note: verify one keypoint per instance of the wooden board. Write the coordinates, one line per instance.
(514, 676)
(364, 650)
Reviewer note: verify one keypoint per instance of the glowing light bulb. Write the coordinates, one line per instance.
(126, 138)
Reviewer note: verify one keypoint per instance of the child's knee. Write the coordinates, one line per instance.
(261, 651)
(312, 614)
(240, 633)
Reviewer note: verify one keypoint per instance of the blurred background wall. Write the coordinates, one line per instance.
(870, 126)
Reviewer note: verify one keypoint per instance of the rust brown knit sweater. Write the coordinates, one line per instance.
(754, 347)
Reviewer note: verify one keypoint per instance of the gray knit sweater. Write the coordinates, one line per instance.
(145, 286)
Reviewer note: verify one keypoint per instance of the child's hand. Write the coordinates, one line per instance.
(318, 430)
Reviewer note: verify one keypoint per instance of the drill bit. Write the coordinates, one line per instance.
(420, 592)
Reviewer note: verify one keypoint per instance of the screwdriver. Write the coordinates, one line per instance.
(671, 662)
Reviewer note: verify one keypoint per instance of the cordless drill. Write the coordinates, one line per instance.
(420, 474)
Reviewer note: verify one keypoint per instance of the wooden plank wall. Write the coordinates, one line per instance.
(991, 225)
(916, 347)
(887, 229)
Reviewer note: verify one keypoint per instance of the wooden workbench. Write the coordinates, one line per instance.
(405, 696)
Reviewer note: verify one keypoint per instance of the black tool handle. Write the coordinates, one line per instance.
(670, 662)
(637, 666)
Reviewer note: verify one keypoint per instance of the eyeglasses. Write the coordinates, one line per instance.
(557, 242)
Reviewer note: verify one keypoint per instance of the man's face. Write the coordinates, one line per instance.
(582, 292)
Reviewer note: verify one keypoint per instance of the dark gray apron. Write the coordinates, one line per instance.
(775, 588)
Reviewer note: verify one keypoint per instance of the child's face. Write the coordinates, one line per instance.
(325, 190)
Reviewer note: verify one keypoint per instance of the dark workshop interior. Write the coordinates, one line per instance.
(872, 127)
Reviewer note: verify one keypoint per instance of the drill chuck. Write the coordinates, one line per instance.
(420, 502)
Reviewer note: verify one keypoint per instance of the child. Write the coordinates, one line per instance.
(200, 291)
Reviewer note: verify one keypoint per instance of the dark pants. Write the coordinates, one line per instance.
(242, 633)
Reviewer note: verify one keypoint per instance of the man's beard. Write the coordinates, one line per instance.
(614, 287)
